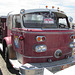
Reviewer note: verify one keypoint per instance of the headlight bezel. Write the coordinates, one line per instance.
(72, 45)
(40, 48)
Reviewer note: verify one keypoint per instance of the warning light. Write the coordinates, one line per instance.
(46, 6)
(21, 37)
(58, 8)
(53, 7)
(62, 11)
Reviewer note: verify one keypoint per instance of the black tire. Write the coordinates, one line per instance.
(7, 58)
(8, 64)
(6, 55)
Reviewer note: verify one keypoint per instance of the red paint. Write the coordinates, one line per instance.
(55, 39)
(8, 40)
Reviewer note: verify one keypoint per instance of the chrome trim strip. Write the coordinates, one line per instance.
(44, 56)
(18, 54)
(49, 28)
(44, 32)
(50, 32)
(43, 29)
(67, 53)
(38, 57)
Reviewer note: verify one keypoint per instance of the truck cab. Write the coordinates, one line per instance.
(38, 36)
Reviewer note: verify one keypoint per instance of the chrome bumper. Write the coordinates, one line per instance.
(38, 68)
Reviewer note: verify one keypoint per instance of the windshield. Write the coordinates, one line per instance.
(43, 20)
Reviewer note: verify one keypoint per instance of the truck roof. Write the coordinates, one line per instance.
(42, 10)
(38, 10)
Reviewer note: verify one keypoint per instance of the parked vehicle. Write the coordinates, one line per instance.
(38, 39)
(3, 27)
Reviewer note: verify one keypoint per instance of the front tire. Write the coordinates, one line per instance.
(6, 55)
(7, 58)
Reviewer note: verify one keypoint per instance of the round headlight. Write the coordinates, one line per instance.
(71, 45)
(40, 48)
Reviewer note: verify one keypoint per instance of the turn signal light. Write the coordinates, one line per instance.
(72, 37)
(40, 38)
(21, 37)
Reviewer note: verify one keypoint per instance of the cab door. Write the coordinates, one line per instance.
(16, 33)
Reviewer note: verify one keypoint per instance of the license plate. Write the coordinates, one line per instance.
(65, 66)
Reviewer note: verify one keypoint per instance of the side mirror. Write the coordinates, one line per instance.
(70, 19)
(51, 13)
(22, 11)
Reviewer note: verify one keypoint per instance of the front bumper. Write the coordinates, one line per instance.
(38, 68)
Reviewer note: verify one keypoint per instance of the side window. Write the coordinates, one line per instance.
(63, 23)
(9, 22)
(16, 21)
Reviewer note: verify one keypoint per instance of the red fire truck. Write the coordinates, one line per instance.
(37, 39)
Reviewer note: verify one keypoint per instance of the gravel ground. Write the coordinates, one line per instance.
(3, 68)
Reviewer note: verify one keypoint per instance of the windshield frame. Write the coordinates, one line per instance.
(53, 17)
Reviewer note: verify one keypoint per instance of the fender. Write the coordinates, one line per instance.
(8, 42)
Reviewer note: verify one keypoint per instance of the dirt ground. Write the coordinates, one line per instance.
(3, 68)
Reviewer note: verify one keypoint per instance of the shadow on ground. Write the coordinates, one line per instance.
(11, 69)
(1, 72)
